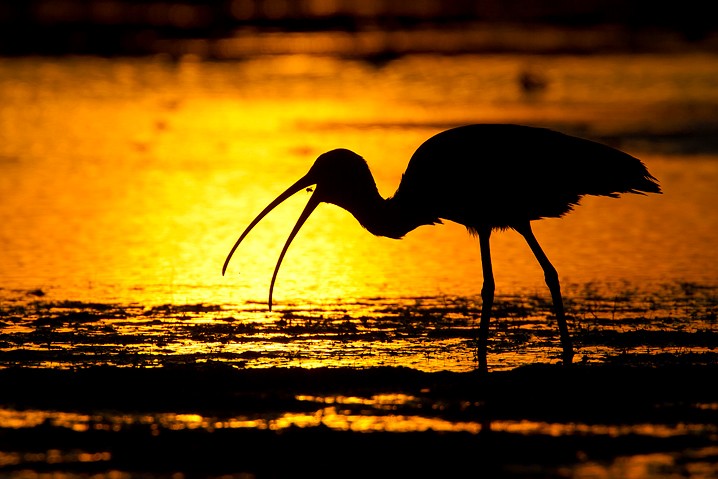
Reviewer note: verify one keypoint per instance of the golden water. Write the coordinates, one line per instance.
(128, 180)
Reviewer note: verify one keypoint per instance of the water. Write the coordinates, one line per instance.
(124, 182)
(129, 179)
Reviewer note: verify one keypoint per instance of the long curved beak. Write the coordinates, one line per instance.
(302, 183)
(313, 202)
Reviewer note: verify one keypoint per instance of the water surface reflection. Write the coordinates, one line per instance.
(128, 179)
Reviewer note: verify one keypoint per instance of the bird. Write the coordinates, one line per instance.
(531, 81)
(486, 177)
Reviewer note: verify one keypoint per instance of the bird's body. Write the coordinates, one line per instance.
(484, 177)
(500, 175)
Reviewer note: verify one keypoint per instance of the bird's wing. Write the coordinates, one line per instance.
(503, 173)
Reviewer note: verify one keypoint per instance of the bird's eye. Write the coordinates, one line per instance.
(310, 189)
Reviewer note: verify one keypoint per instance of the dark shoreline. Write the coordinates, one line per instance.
(579, 392)
(609, 395)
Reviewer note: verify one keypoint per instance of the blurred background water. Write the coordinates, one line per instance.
(138, 140)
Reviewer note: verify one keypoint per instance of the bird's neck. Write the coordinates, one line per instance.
(385, 217)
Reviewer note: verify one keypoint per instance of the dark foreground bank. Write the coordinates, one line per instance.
(589, 417)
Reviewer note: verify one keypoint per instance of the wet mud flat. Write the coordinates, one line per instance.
(371, 388)
(424, 333)
(586, 417)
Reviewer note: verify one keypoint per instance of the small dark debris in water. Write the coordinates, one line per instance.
(72, 317)
(532, 81)
(170, 309)
(250, 355)
(82, 305)
(36, 292)
(198, 308)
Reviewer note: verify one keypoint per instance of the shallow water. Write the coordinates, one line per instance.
(128, 180)
(425, 334)
(124, 182)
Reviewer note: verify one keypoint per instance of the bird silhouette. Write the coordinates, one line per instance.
(486, 177)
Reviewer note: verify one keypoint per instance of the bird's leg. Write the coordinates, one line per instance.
(551, 277)
(487, 296)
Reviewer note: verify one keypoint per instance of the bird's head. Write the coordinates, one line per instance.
(337, 177)
(341, 176)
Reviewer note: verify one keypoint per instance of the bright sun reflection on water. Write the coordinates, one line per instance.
(124, 182)
(132, 185)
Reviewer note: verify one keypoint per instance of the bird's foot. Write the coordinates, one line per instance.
(483, 367)
(567, 356)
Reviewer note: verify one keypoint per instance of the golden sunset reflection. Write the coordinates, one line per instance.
(133, 185)
(138, 140)
(429, 334)
(342, 413)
